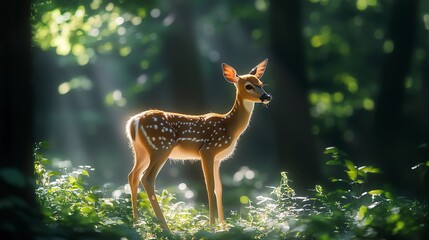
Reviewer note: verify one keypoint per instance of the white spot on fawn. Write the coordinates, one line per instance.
(148, 139)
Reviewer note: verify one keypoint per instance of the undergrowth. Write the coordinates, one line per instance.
(350, 211)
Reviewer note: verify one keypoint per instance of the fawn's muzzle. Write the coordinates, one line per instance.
(265, 98)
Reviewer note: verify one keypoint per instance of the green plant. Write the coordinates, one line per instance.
(357, 212)
(350, 211)
(69, 200)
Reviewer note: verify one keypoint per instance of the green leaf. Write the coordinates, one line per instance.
(369, 169)
(359, 181)
(54, 189)
(72, 180)
(319, 189)
(331, 150)
(393, 218)
(376, 192)
(337, 180)
(388, 195)
(352, 175)
(44, 144)
(361, 213)
(54, 173)
(86, 209)
(46, 161)
(427, 163)
(90, 198)
(13, 177)
(333, 162)
(85, 173)
(349, 164)
(352, 172)
(399, 226)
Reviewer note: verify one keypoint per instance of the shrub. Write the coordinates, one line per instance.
(350, 211)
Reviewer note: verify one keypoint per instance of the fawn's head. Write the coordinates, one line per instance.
(249, 86)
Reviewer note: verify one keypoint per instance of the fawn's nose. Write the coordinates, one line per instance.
(265, 98)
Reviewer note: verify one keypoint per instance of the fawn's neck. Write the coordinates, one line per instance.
(239, 116)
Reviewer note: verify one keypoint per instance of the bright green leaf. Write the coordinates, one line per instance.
(90, 199)
(376, 192)
(361, 213)
(72, 180)
(388, 195)
(399, 226)
(85, 173)
(86, 209)
(319, 189)
(369, 169)
(349, 164)
(352, 173)
(393, 218)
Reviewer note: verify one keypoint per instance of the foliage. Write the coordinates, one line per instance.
(82, 33)
(68, 199)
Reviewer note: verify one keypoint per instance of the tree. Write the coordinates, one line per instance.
(296, 152)
(17, 198)
(390, 145)
(185, 77)
(181, 56)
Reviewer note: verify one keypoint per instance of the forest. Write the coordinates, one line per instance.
(340, 152)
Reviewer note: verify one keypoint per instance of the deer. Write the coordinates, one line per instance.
(156, 136)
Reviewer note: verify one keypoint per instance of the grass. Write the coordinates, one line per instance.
(73, 208)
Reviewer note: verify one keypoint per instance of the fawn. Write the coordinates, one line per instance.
(156, 136)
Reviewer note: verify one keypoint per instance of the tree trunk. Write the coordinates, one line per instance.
(185, 77)
(19, 207)
(181, 56)
(389, 148)
(296, 153)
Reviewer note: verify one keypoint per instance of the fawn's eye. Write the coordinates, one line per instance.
(248, 87)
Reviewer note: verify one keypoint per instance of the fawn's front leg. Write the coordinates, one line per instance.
(218, 191)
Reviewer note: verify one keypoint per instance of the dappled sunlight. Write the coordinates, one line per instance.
(80, 82)
(362, 5)
(243, 173)
(88, 31)
(187, 193)
(116, 98)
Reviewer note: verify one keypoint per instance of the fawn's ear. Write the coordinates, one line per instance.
(229, 73)
(259, 70)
